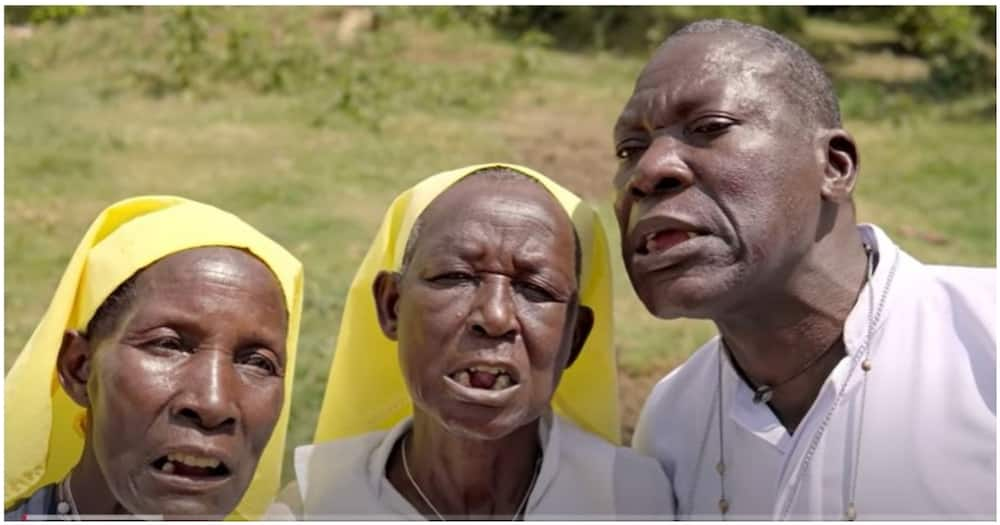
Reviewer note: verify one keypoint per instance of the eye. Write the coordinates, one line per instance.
(262, 361)
(169, 343)
(628, 151)
(533, 292)
(710, 126)
(453, 278)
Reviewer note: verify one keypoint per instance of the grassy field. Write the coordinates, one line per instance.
(313, 163)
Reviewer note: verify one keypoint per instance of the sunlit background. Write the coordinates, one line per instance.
(307, 121)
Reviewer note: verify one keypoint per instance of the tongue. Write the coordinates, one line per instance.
(665, 240)
(181, 469)
(482, 379)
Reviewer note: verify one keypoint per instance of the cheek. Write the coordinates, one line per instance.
(262, 402)
(429, 322)
(545, 337)
(132, 385)
(130, 393)
(429, 318)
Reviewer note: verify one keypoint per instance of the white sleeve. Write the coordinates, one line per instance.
(642, 490)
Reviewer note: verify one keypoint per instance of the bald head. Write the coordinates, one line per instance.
(802, 78)
(497, 176)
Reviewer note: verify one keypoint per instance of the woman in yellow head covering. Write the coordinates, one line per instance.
(475, 298)
(159, 380)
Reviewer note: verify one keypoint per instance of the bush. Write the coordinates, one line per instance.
(624, 29)
(36, 14)
(40, 14)
(206, 51)
(949, 37)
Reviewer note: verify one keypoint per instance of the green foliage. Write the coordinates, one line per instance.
(57, 14)
(949, 37)
(870, 100)
(185, 30)
(32, 14)
(610, 27)
(204, 53)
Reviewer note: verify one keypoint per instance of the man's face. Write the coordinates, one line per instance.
(186, 390)
(718, 187)
(487, 307)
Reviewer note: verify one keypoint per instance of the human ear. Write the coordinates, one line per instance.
(584, 323)
(73, 366)
(841, 163)
(386, 291)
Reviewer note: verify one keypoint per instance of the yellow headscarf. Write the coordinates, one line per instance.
(43, 436)
(365, 390)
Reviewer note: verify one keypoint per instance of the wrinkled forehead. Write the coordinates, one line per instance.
(692, 70)
(723, 55)
(518, 200)
(219, 263)
(479, 204)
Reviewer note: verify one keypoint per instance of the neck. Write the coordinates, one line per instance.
(90, 490)
(463, 476)
(789, 325)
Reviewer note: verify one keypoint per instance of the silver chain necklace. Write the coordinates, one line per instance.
(427, 501)
(863, 354)
(66, 508)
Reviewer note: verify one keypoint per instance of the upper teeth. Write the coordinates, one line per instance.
(503, 378)
(194, 461)
(491, 369)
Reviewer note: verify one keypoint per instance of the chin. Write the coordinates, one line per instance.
(481, 428)
(686, 297)
(190, 509)
(181, 507)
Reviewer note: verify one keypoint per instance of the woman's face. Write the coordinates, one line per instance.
(185, 391)
(486, 312)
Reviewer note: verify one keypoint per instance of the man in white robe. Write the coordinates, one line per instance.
(849, 381)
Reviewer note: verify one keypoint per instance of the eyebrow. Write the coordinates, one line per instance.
(159, 315)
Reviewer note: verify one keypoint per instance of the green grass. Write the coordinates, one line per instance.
(81, 134)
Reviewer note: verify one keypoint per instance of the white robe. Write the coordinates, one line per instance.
(928, 439)
(581, 477)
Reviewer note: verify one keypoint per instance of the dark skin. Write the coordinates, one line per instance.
(193, 367)
(491, 282)
(735, 207)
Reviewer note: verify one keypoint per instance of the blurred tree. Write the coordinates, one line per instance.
(951, 39)
(613, 28)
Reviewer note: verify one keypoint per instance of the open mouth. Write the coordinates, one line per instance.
(663, 240)
(191, 466)
(484, 377)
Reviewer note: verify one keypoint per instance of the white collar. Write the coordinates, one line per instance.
(758, 418)
(549, 435)
(856, 325)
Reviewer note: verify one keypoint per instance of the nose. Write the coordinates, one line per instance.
(494, 313)
(208, 392)
(661, 169)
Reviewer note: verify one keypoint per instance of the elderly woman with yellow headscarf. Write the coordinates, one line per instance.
(497, 311)
(159, 380)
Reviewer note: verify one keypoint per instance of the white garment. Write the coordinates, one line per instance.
(928, 449)
(582, 476)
